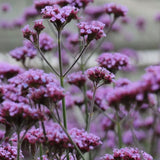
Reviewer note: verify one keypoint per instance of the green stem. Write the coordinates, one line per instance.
(41, 152)
(62, 78)
(92, 107)
(76, 60)
(18, 145)
(119, 131)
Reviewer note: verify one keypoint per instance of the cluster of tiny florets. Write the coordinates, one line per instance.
(97, 74)
(116, 10)
(113, 62)
(60, 16)
(127, 154)
(77, 78)
(92, 30)
(8, 152)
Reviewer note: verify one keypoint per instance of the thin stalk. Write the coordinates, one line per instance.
(65, 130)
(18, 145)
(42, 55)
(86, 105)
(119, 131)
(81, 53)
(41, 152)
(153, 143)
(101, 41)
(92, 107)
(62, 79)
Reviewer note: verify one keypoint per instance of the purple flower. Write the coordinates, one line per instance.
(141, 23)
(8, 152)
(46, 42)
(97, 74)
(19, 115)
(92, 30)
(80, 3)
(131, 153)
(77, 78)
(40, 4)
(113, 62)
(60, 16)
(116, 10)
(122, 82)
(27, 32)
(38, 25)
(157, 17)
(8, 71)
(5, 7)
(94, 11)
(21, 53)
(85, 141)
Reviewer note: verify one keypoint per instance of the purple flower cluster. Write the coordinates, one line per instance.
(5, 7)
(57, 140)
(60, 16)
(80, 3)
(40, 4)
(116, 10)
(46, 42)
(113, 62)
(19, 115)
(92, 30)
(127, 154)
(8, 71)
(97, 74)
(21, 53)
(8, 152)
(38, 86)
(77, 78)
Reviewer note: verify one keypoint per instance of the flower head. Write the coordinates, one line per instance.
(77, 78)
(92, 30)
(60, 16)
(38, 26)
(116, 10)
(97, 74)
(113, 62)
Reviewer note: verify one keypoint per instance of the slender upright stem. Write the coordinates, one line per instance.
(91, 108)
(42, 55)
(119, 131)
(62, 78)
(18, 145)
(81, 53)
(153, 143)
(41, 152)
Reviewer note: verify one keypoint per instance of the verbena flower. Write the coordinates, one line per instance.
(113, 62)
(8, 71)
(19, 115)
(116, 10)
(8, 152)
(85, 141)
(127, 153)
(92, 30)
(46, 42)
(40, 4)
(76, 78)
(5, 7)
(60, 16)
(97, 74)
(38, 26)
(80, 3)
